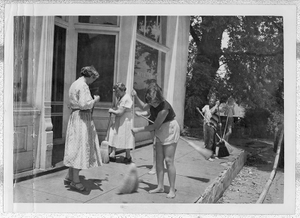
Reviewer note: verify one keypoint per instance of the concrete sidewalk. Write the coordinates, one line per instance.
(197, 180)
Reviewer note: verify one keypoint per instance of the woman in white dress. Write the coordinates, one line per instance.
(120, 135)
(82, 149)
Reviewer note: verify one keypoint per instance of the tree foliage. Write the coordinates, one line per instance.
(204, 54)
(252, 59)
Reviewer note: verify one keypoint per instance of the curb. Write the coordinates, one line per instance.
(215, 191)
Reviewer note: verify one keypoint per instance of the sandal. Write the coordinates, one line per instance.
(152, 172)
(77, 186)
(127, 160)
(112, 159)
(67, 181)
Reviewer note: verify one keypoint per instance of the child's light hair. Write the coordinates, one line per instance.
(119, 86)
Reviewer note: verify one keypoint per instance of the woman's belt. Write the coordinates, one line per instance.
(77, 109)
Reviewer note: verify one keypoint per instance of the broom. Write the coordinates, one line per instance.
(130, 183)
(221, 149)
(104, 147)
(228, 146)
(203, 151)
(132, 124)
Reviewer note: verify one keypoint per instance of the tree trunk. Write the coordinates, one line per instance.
(209, 46)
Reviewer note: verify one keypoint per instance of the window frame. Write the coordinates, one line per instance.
(156, 45)
(60, 22)
(103, 30)
(28, 103)
(97, 25)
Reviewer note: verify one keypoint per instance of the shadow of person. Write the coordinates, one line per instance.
(199, 179)
(92, 184)
(89, 185)
(150, 167)
(120, 159)
(152, 186)
(145, 166)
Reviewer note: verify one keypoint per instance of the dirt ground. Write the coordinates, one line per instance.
(249, 183)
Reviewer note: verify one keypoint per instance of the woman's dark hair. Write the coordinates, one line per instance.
(89, 71)
(154, 92)
(119, 86)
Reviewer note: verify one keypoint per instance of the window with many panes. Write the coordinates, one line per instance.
(98, 50)
(97, 46)
(102, 20)
(21, 58)
(150, 52)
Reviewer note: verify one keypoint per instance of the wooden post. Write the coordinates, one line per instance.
(273, 173)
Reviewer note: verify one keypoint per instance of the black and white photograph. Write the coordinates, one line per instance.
(113, 109)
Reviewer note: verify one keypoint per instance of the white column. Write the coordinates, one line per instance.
(131, 61)
(176, 64)
(172, 58)
(70, 69)
(127, 41)
(181, 68)
(43, 94)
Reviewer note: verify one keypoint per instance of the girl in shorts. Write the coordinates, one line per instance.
(167, 132)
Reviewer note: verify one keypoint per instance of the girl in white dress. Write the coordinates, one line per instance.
(120, 135)
(82, 149)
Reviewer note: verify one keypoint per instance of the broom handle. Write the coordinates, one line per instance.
(133, 114)
(273, 173)
(108, 125)
(187, 141)
(146, 119)
(109, 119)
(153, 122)
(207, 120)
(225, 126)
(219, 121)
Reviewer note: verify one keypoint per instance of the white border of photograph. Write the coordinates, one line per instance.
(289, 14)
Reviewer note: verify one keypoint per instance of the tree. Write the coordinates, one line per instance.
(253, 61)
(204, 59)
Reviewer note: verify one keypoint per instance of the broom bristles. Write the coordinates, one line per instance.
(206, 153)
(130, 183)
(104, 147)
(229, 147)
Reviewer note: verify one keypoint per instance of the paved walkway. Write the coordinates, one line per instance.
(197, 181)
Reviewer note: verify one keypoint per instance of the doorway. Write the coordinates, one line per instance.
(57, 97)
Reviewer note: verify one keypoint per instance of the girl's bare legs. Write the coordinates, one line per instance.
(229, 131)
(159, 169)
(169, 152)
(153, 169)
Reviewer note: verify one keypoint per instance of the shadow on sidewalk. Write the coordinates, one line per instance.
(153, 186)
(145, 166)
(199, 179)
(89, 184)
